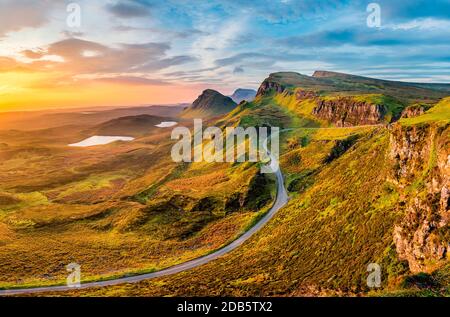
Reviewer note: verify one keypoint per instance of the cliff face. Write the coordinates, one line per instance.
(414, 111)
(301, 94)
(268, 85)
(422, 156)
(345, 111)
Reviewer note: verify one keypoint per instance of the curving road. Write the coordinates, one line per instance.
(280, 200)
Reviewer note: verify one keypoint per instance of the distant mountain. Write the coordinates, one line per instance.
(325, 82)
(241, 94)
(209, 103)
(128, 126)
(44, 119)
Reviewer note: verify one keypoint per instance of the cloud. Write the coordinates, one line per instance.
(165, 63)
(33, 54)
(421, 24)
(77, 57)
(128, 9)
(16, 15)
(219, 39)
(260, 59)
(9, 64)
(168, 33)
(133, 80)
(409, 34)
(238, 69)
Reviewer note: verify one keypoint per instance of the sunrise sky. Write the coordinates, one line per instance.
(154, 52)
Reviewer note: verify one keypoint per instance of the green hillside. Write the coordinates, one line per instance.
(360, 194)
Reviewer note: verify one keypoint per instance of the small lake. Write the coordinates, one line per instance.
(166, 124)
(100, 140)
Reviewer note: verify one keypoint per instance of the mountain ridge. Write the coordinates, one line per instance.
(209, 103)
(242, 94)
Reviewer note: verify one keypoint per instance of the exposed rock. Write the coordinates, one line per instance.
(301, 94)
(327, 74)
(415, 110)
(268, 85)
(423, 152)
(345, 112)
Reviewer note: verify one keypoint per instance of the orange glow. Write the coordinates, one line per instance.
(32, 91)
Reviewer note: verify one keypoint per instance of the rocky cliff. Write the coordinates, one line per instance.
(268, 85)
(302, 95)
(346, 111)
(415, 110)
(422, 170)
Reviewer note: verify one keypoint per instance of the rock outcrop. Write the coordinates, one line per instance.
(415, 110)
(268, 85)
(302, 95)
(422, 156)
(345, 111)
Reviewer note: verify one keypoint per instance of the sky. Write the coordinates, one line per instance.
(60, 54)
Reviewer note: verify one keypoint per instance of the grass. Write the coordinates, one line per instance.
(324, 236)
(343, 207)
(394, 107)
(83, 212)
(440, 113)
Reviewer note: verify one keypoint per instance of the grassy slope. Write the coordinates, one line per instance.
(60, 205)
(339, 220)
(326, 236)
(439, 113)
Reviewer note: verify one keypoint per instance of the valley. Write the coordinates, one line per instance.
(367, 175)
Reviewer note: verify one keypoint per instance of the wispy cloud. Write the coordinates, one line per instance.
(128, 9)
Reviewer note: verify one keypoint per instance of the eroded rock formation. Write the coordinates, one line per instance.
(346, 111)
(422, 166)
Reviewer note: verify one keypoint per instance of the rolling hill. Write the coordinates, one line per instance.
(36, 120)
(128, 126)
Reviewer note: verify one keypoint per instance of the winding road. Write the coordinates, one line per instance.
(280, 200)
